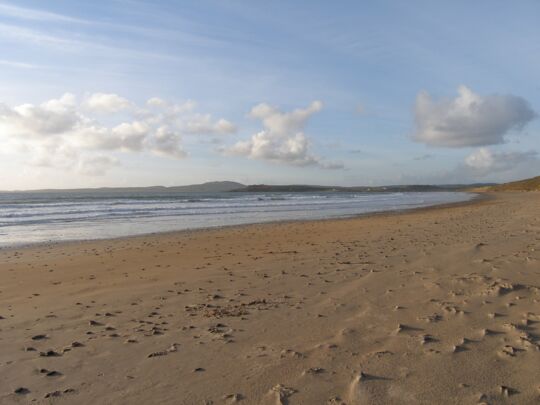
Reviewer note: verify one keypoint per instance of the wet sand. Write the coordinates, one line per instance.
(433, 306)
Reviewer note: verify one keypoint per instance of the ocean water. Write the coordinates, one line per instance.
(28, 218)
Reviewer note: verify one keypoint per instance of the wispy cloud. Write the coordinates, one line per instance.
(198, 37)
(62, 41)
(25, 13)
(19, 65)
(21, 34)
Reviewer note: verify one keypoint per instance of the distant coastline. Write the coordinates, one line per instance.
(231, 186)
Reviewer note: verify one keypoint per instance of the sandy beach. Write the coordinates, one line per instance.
(433, 306)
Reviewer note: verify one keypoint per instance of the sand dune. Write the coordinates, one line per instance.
(435, 306)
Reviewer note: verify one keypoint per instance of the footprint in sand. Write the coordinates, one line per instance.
(282, 394)
(359, 392)
(233, 398)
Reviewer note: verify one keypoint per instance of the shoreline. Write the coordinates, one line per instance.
(431, 305)
(478, 197)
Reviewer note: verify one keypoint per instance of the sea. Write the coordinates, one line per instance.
(40, 217)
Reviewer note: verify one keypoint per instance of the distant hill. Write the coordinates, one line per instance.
(294, 188)
(209, 187)
(532, 184)
(231, 186)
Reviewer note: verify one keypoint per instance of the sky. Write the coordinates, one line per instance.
(162, 92)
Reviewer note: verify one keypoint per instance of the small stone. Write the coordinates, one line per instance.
(94, 323)
(315, 370)
(173, 348)
(49, 353)
(53, 394)
(39, 337)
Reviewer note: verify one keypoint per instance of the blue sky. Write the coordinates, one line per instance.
(347, 93)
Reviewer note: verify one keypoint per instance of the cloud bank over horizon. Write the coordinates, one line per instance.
(91, 134)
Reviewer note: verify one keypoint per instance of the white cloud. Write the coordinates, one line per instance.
(18, 65)
(469, 119)
(107, 103)
(53, 117)
(97, 165)
(480, 159)
(203, 124)
(172, 108)
(156, 102)
(66, 134)
(183, 118)
(34, 14)
(129, 136)
(282, 140)
(283, 124)
(484, 161)
(51, 153)
(166, 142)
(263, 145)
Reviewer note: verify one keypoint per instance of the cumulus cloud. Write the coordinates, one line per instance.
(53, 117)
(156, 102)
(484, 161)
(283, 124)
(167, 142)
(129, 136)
(68, 134)
(469, 119)
(171, 108)
(282, 140)
(51, 153)
(107, 103)
(97, 165)
(203, 124)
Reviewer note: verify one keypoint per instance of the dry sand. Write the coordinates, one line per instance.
(436, 306)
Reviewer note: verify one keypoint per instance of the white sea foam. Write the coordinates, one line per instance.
(27, 218)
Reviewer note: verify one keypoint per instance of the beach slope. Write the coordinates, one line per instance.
(432, 306)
